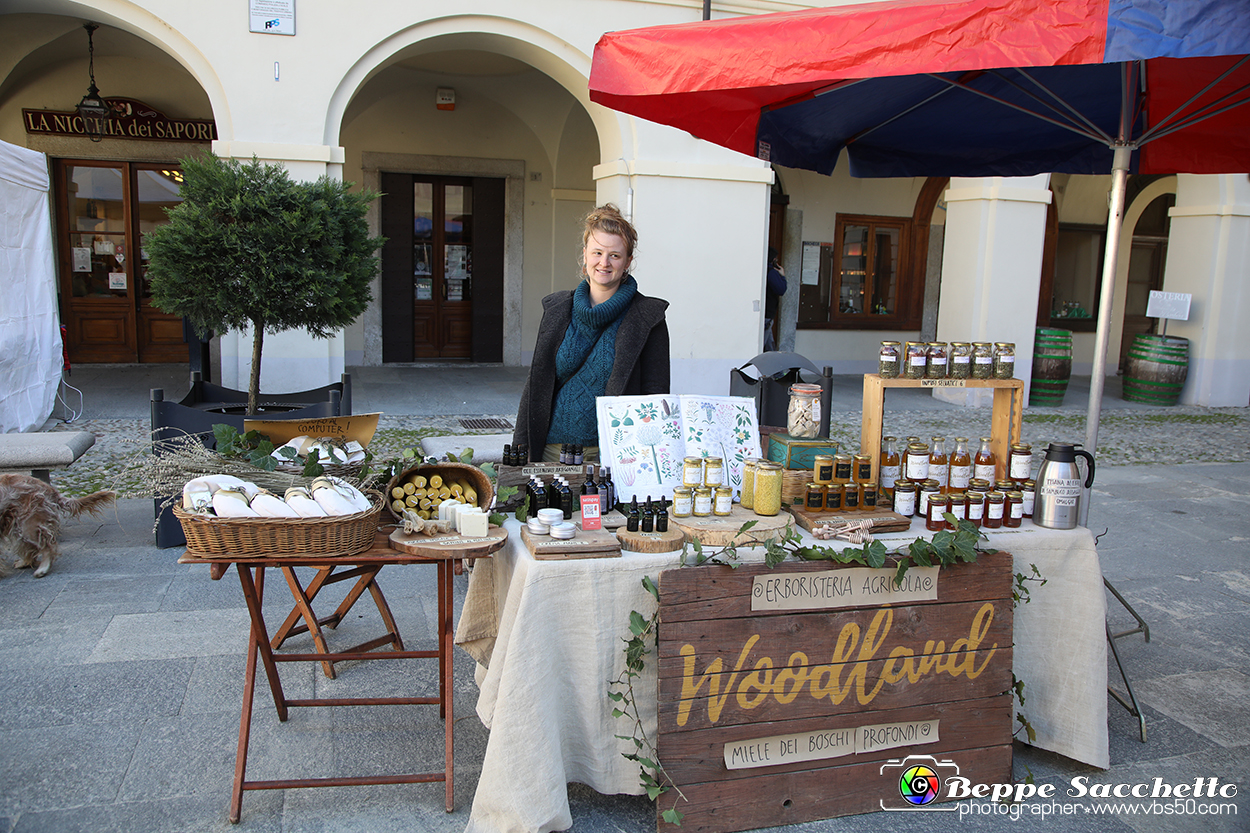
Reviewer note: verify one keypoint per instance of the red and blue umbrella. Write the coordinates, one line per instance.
(958, 88)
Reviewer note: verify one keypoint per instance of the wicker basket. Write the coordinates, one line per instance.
(448, 471)
(336, 535)
(794, 484)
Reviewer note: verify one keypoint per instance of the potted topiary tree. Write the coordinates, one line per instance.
(248, 245)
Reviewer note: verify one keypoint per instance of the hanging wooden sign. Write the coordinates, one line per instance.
(130, 119)
(812, 690)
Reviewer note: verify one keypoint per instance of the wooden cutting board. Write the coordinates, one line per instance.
(594, 543)
(449, 545)
(670, 540)
(883, 520)
(722, 530)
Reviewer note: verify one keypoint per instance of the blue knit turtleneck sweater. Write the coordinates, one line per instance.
(584, 362)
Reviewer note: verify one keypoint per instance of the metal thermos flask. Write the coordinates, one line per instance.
(1059, 487)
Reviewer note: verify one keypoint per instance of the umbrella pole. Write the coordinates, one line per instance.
(1115, 221)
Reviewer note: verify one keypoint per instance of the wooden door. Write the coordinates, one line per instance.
(442, 268)
(102, 213)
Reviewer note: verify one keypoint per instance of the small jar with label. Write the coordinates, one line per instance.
(868, 496)
(822, 469)
(889, 468)
(995, 503)
(1013, 511)
(834, 493)
(1020, 467)
(938, 504)
(702, 502)
(747, 498)
(713, 472)
(843, 468)
(768, 488)
(960, 360)
(723, 501)
(862, 471)
(683, 502)
(1004, 360)
(814, 497)
(936, 358)
(905, 498)
(1029, 489)
(976, 507)
(982, 360)
(917, 360)
(692, 471)
(916, 466)
(851, 494)
(1005, 486)
(959, 508)
(980, 484)
(890, 361)
(803, 415)
(928, 489)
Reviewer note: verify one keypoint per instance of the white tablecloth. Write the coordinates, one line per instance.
(548, 638)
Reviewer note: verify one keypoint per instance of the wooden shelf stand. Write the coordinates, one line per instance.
(1005, 419)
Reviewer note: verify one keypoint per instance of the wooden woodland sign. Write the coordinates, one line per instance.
(803, 692)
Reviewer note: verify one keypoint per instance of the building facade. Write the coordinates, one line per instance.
(475, 123)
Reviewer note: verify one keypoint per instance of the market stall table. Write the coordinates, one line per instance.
(364, 566)
(548, 635)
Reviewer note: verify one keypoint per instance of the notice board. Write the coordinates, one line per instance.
(806, 691)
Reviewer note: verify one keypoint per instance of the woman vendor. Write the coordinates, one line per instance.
(604, 338)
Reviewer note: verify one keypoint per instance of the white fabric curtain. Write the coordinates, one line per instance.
(30, 332)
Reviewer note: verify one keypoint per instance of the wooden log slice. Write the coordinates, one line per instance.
(670, 540)
(722, 530)
(449, 545)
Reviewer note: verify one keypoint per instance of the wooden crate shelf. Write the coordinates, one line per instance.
(1005, 419)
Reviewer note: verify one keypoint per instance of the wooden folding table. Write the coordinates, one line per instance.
(364, 567)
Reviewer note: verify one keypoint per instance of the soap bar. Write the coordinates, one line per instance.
(444, 509)
(474, 523)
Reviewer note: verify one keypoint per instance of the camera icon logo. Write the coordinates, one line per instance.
(919, 780)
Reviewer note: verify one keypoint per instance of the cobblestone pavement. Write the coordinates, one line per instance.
(1184, 434)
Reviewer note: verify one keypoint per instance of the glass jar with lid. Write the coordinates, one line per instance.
(890, 361)
(722, 500)
(976, 507)
(843, 468)
(960, 360)
(982, 360)
(1004, 360)
(814, 497)
(713, 472)
(869, 494)
(822, 469)
(692, 471)
(1029, 489)
(1013, 511)
(936, 360)
(683, 502)
(768, 488)
(834, 493)
(959, 508)
(917, 360)
(702, 501)
(803, 415)
(916, 466)
(994, 504)
(862, 471)
(1020, 467)
(928, 489)
(747, 499)
(851, 494)
(938, 504)
(905, 498)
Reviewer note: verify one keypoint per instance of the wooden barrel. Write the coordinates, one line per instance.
(1155, 370)
(1052, 367)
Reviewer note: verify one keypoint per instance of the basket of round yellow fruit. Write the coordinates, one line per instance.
(423, 488)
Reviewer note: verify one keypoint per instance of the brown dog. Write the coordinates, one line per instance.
(30, 519)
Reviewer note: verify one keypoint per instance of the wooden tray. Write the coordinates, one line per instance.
(671, 540)
(450, 546)
(883, 520)
(595, 543)
(722, 530)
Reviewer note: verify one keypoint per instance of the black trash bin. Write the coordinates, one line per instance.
(771, 387)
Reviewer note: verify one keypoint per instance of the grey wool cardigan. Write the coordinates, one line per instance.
(640, 366)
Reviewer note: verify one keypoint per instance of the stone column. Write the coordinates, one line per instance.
(991, 268)
(1209, 258)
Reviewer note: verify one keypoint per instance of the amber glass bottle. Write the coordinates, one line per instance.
(939, 464)
(984, 464)
(961, 466)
